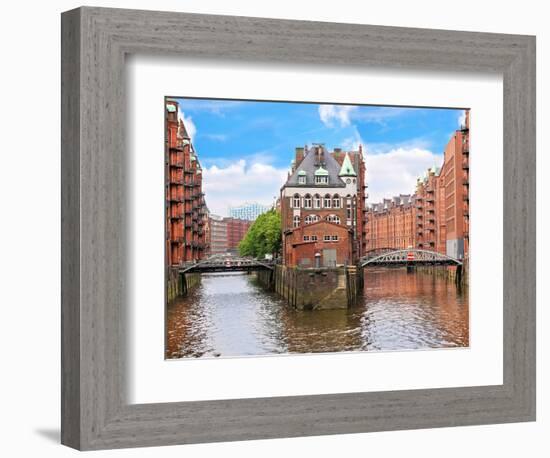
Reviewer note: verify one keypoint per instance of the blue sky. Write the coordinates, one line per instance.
(246, 147)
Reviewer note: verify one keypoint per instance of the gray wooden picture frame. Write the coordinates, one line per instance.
(95, 411)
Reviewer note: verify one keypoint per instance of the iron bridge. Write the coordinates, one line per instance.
(227, 263)
(409, 257)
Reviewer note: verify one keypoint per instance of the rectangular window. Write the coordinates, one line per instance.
(327, 238)
(313, 238)
(306, 238)
(302, 180)
(334, 238)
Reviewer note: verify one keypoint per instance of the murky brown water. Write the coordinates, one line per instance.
(231, 315)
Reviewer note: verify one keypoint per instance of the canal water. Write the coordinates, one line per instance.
(232, 315)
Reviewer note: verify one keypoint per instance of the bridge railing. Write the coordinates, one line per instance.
(410, 256)
(221, 262)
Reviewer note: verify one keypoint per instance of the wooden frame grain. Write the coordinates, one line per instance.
(95, 412)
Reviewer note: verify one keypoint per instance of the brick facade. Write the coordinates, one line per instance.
(436, 217)
(236, 230)
(327, 187)
(186, 213)
(331, 243)
(226, 234)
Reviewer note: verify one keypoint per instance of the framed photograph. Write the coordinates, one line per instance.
(277, 228)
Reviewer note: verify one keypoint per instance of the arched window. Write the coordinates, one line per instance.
(316, 201)
(311, 219)
(296, 201)
(333, 219)
(336, 201)
(307, 201)
(296, 221)
(327, 200)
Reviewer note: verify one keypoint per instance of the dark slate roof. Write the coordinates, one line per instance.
(309, 165)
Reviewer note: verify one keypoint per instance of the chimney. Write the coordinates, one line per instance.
(299, 156)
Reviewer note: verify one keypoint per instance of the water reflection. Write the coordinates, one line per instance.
(231, 315)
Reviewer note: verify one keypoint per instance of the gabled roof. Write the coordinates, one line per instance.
(347, 169)
(310, 165)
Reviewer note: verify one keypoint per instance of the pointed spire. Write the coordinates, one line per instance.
(347, 169)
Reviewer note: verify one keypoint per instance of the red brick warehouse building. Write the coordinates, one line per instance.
(322, 207)
(436, 216)
(186, 212)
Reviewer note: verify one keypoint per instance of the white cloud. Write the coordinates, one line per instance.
(343, 115)
(189, 124)
(396, 171)
(340, 114)
(241, 181)
(462, 118)
(352, 143)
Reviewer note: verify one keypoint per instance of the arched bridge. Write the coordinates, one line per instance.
(227, 263)
(408, 257)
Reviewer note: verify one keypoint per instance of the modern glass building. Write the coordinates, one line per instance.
(248, 211)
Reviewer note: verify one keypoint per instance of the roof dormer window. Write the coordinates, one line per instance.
(321, 176)
(321, 180)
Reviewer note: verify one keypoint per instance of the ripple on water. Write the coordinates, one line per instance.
(230, 315)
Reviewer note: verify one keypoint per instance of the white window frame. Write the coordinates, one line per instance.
(313, 238)
(321, 180)
(302, 179)
(295, 198)
(326, 238)
(336, 203)
(334, 238)
(306, 238)
(327, 199)
(307, 201)
(296, 221)
(317, 200)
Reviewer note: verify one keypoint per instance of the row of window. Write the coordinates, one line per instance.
(315, 202)
(318, 179)
(315, 218)
(326, 238)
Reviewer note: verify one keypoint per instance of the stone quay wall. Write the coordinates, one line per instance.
(455, 274)
(179, 284)
(313, 289)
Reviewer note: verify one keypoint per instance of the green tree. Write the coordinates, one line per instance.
(263, 237)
